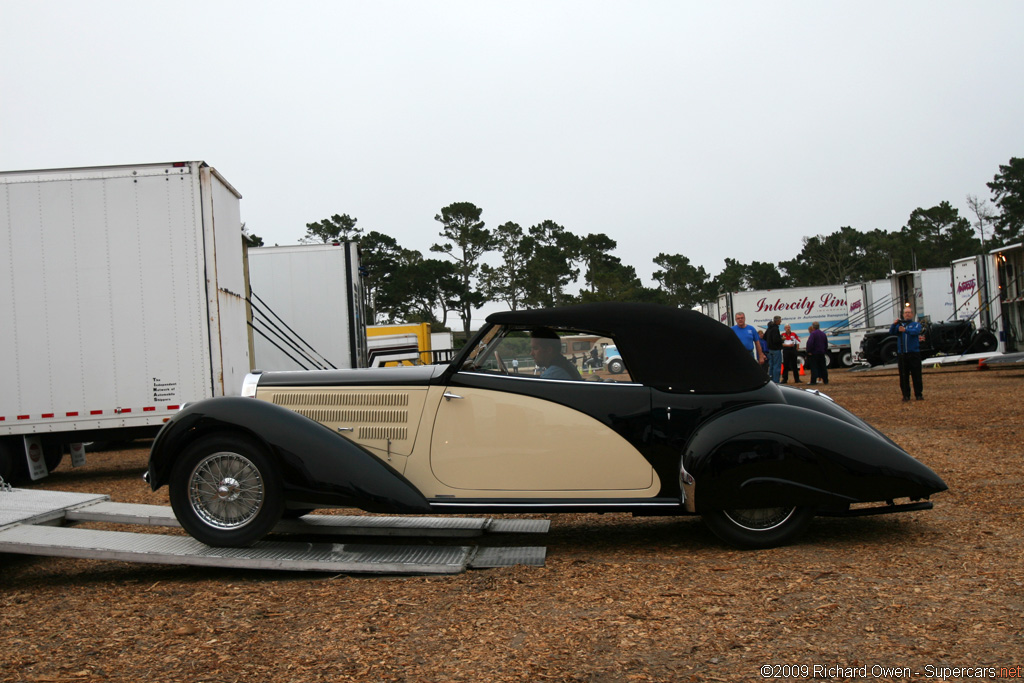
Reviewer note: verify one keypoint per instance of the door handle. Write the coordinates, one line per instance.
(449, 396)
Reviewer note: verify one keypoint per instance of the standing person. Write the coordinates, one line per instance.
(774, 340)
(817, 347)
(515, 366)
(790, 345)
(749, 337)
(908, 353)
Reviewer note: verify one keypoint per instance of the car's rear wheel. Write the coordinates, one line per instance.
(225, 492)
(759, 527)
(984, 342)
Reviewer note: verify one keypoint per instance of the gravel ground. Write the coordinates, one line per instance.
(899, 597)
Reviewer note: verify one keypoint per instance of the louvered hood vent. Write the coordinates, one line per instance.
(374, 416)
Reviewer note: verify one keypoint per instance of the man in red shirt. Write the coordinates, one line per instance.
(790, 345)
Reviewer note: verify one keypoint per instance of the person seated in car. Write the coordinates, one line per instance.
(546, 349)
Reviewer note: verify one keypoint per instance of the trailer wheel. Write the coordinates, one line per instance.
(53, 456)
(9, 460)
(13, 466)
(759, 528)
(225, 491)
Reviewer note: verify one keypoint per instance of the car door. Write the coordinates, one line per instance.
(498, 435)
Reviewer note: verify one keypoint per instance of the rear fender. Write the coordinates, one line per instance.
(317, 466)
(780, 455)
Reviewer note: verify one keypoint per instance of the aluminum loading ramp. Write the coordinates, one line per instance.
(28, 518)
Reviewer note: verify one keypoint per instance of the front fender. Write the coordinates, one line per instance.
(777, 455)
(317, 466)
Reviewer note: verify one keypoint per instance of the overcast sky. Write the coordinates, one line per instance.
(710, 129)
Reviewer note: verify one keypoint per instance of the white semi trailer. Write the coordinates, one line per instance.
(123, 297)
(798, 307)
(308, 310)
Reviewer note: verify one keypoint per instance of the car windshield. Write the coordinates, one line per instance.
(547, 353)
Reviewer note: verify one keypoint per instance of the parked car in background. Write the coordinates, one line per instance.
(698, 430)
(613, 360)
(945, 338)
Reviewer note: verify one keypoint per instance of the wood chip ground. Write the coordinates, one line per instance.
(620, 598)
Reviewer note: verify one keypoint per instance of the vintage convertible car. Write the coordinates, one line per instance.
(690, 426)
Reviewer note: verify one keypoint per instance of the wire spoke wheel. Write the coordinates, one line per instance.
(226, 490)
(760, 519)
(759, 527)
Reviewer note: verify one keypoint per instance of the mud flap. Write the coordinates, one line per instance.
(34, 458)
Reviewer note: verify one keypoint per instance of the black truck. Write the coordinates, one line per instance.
(945, 338)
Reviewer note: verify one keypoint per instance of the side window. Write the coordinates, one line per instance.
(548, 353)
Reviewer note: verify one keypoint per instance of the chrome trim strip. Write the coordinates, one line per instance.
(485, 503)
(535, 378)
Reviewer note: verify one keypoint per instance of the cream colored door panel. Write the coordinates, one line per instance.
(496, 441)
(384, 420)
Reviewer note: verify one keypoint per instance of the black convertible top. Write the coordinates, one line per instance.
(663, 347)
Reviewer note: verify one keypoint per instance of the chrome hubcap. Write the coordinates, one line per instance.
(226, 490)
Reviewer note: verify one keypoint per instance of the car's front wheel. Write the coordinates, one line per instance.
(887, 353)
(759, 527)
(224, 491)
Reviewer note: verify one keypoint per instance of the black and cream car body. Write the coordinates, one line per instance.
(691, 426)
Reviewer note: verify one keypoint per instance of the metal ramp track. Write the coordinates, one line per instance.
(335, 525)
(323, 557)
(28, 516)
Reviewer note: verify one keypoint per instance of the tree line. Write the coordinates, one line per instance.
(540, 264)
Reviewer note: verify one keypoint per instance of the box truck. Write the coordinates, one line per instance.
(123, 297)
(307, 306)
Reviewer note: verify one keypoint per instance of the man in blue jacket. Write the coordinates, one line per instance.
(908, 353)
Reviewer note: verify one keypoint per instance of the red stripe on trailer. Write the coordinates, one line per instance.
(23, 417)
(95, 412)
(72, 414)
(125, 410)
(173, 407)
(2, 418)
(46, 415)
(146, 410)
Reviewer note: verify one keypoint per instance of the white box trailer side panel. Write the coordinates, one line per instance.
(105, 297)
(967, 291)
(225, 272)
(857, 305)
(308, 288)
(937, 289)
(882, 308)
(724, 311)
(799, 307)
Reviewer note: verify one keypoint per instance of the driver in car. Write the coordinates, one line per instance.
(546, 349)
